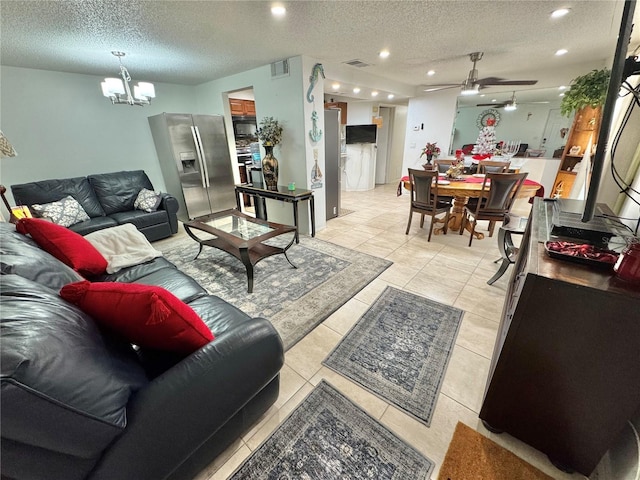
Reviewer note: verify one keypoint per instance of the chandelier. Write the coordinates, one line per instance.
(119, 92)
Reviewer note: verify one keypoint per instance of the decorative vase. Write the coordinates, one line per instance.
(429, 158)
(270, 168)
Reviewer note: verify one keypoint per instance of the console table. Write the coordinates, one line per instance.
(283, 194)
(565, 374)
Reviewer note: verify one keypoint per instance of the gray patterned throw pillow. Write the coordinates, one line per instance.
(147, 200)
(65, 212)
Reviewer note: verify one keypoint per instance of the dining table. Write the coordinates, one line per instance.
(464, 188)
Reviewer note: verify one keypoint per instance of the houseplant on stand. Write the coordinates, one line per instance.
(270, 134)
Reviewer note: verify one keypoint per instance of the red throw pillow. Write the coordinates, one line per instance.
(69, 247)
(145, 315)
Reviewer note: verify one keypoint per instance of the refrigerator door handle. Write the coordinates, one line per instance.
(197, 144)
(204, 159)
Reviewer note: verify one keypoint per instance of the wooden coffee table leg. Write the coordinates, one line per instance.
(246, 260)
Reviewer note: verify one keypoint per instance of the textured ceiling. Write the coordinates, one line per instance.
(191, 42)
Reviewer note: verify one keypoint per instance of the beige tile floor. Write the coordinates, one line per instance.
(445, 270)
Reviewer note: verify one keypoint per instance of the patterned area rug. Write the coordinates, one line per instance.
(399, 350)
(294, 300)
(327, 437)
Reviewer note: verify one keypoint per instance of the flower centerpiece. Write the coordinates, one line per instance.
(270, 134)
(431, 150)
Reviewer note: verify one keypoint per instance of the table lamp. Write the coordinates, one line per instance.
(7, 150)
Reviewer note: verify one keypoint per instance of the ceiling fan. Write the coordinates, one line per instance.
(472, 84)
(508, 104)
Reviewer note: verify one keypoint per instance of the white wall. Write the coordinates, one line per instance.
(62, 126)
(429, 119)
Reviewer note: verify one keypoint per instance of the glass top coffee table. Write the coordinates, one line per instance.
(240, 235)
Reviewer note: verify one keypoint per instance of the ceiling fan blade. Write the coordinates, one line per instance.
(437, 88)
(509, 82)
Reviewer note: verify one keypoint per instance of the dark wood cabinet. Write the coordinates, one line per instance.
(565, 373)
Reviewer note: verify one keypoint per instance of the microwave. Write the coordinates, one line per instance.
(245, 127)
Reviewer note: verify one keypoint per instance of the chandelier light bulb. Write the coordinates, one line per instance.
(118, 90)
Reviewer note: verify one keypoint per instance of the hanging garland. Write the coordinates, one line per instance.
(481, 122)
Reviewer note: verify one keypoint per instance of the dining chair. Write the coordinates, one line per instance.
(443, 165)
(425, 200)
(493, 166)
(499, 191)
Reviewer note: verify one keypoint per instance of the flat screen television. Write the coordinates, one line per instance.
(361, 133)
(615, 82)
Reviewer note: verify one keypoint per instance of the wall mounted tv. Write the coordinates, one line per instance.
(361, 133)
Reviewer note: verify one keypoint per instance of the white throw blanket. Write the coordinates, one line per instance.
(122, 246)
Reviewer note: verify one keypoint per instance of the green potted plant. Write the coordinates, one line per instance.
(586, 90)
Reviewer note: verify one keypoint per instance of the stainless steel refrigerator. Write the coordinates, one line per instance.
(196, 165)
(332, 167)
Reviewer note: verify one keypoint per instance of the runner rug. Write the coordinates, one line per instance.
(472, 455)
(295, 300)
(399, 350)
(327, 437)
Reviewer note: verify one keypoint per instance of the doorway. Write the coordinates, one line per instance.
(384, 140)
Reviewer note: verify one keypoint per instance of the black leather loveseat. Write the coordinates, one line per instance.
(108, 199)
(80, 403)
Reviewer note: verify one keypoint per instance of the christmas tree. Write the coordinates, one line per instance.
(486, 141)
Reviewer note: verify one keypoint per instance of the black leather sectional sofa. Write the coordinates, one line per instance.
(108, 199)
(80, 403)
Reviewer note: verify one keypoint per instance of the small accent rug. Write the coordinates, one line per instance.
(345, 211)
(399, 350)
(327, 437)
(472, 455)
(294, 300)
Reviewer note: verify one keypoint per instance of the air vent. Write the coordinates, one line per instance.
(357, 63)
(280, 69)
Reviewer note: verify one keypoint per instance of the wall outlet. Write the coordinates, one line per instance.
(335, 210)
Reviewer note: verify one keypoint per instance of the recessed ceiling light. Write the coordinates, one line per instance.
(493, 100)
(356, 90)
(561, 52)
(374, 94)
(278, 11)
(561, 12)
(384, 54)
(561, 95)
(482, 95)
(431, 73)
(390, 96)
(562, 87)
(335, 85)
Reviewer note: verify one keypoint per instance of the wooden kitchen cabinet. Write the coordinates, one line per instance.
(565, 376)
(242, 107)
(342, 106)
(586, 125)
